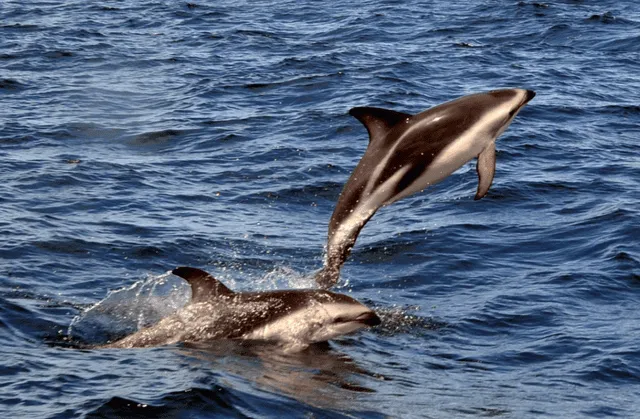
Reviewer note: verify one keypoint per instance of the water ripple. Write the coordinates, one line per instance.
(141, 136)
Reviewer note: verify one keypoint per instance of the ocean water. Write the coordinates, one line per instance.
(139, 136)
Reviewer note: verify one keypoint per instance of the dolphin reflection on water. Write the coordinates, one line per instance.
(318, 376)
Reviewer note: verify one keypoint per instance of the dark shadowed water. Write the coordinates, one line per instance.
(138, 136)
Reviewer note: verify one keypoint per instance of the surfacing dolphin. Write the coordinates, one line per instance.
(293, 317)
(408, 153)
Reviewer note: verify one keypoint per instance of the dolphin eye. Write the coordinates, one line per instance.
(339, 319)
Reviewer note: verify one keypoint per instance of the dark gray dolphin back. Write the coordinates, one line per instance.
(417, 150)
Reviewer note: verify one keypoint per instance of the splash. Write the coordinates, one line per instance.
(127, 310)
(403, 320)
(284, 277)
(130, 309)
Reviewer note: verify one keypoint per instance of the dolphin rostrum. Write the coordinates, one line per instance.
(408, 153)
(293, 317)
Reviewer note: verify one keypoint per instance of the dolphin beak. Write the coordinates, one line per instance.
(530, 95)
(369, 318)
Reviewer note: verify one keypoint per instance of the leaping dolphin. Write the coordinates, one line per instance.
(294, 317)
(408, 153)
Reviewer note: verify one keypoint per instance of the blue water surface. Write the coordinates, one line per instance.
(139, 136)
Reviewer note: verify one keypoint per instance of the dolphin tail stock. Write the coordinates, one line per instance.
(327, 276)
(341, 240)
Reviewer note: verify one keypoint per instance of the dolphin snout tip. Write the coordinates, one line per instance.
(530, 95)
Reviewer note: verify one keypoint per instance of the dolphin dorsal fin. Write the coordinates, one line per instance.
(378, 121)
(203, 285)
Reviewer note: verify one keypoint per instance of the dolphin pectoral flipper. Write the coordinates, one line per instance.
(203, 285)
(378, 121)
(486, 168)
